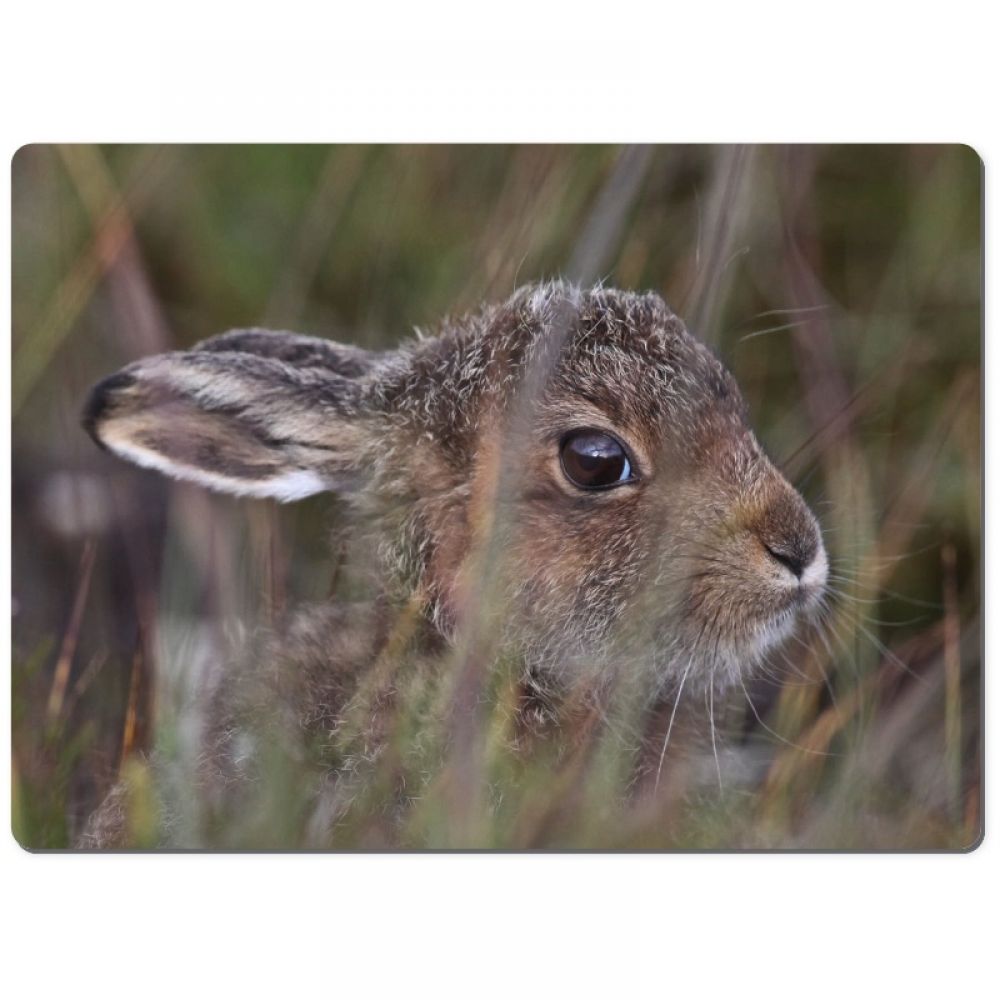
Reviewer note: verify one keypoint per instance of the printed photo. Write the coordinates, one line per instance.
(497, 498)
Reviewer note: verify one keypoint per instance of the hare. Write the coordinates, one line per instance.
(566, 480)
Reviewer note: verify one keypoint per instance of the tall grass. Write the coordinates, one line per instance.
(840, 284)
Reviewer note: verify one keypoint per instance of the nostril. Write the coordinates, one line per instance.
(791, 558)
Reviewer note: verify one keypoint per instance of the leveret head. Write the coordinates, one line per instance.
(574, 458)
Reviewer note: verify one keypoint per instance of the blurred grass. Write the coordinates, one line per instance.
(842, 286)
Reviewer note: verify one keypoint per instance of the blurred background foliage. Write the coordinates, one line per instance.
(842, 285)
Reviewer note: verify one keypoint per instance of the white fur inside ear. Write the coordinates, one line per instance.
(293, 485)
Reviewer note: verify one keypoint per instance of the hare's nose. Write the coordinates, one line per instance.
(792, 557)
(791, 538)
(802, 555)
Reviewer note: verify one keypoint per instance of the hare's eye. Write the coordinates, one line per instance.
(593, 460)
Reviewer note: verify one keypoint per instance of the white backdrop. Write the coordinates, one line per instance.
(511, 926)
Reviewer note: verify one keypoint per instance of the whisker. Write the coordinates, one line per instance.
(890, 655)
(670, 724)
(770, 329)
(795, 310)
(776, 735)
(711, 723)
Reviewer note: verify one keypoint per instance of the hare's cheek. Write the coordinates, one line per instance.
(737, 604)
(581, 564)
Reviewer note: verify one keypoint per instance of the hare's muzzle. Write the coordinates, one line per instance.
(792, 556)
(752, 569)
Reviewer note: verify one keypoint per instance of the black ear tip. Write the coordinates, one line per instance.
(100, 402)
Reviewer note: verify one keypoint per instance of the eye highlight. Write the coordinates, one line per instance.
(593, 460)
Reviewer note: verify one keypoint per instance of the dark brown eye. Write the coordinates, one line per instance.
(593, 460)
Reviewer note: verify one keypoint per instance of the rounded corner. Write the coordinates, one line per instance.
(22, 151)
(27, 848)
(967, 147)
(974, 846)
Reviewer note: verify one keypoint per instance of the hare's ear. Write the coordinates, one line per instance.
(296, 349)
(235, 422)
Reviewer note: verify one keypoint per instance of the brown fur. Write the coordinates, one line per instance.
(448, 450)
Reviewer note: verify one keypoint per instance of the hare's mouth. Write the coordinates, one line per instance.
(793, 604)
(798, 604)
(774, 631)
